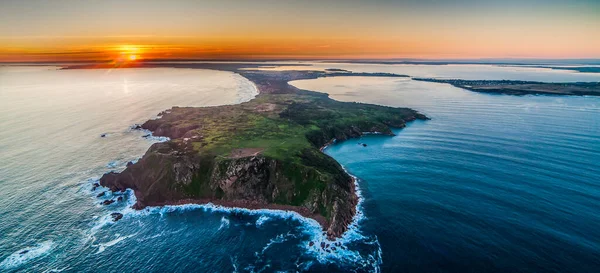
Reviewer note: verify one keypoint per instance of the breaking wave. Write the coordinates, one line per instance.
(27, 254)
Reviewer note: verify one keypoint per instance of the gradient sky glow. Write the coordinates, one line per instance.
(229, 29)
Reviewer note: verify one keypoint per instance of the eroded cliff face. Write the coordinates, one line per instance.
(165, 175)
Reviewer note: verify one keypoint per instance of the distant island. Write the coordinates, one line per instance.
(581, 69)
(265, 153)
(522, 87)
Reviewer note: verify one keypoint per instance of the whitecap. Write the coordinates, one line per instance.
(234, 263)
(281, 238)
(148, 135)
(24, 255)
(342, 253)
(224, 223)
(113, 164)
(261, 220)
(54, 270)
(310, 227)
(103, 246)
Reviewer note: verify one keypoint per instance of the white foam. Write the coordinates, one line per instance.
(277, 240)
(103, 246)
(148, 135)
(24, 255)
(234, 264)
(343, 254)
(224, 223)
(113, 164)
(261, 220)
(54, 270)
(100, 221)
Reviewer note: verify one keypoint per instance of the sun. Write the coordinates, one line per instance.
(128, 53)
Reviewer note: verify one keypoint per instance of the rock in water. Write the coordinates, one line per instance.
(120, 198)
(364, 145)
(136, 127)
(116, 216)
(108, 202)
(103, 135)
(101, 194)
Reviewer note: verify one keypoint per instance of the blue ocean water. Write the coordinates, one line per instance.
(490, 184)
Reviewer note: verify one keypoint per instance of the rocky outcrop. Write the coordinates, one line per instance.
(116, 216)
(165, 176)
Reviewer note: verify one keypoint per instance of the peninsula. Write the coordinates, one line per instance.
(264, 153)
(508, 87)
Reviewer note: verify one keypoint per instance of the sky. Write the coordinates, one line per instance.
(61, 30)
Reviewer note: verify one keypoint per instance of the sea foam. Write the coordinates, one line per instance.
(343, 254)
(27, 254)
(103, 246)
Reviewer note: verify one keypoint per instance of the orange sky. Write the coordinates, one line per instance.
(64, 30)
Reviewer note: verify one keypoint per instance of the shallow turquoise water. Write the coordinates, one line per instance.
(491, 183)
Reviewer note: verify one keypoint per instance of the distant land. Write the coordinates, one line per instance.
(581, 69)
(542, 63)
(524, 62)
(522, 87)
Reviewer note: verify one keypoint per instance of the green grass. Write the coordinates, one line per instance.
(289, 131)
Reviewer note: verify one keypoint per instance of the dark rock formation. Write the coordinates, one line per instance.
(116, 216)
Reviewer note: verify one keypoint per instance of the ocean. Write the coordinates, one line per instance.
(491, 183)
